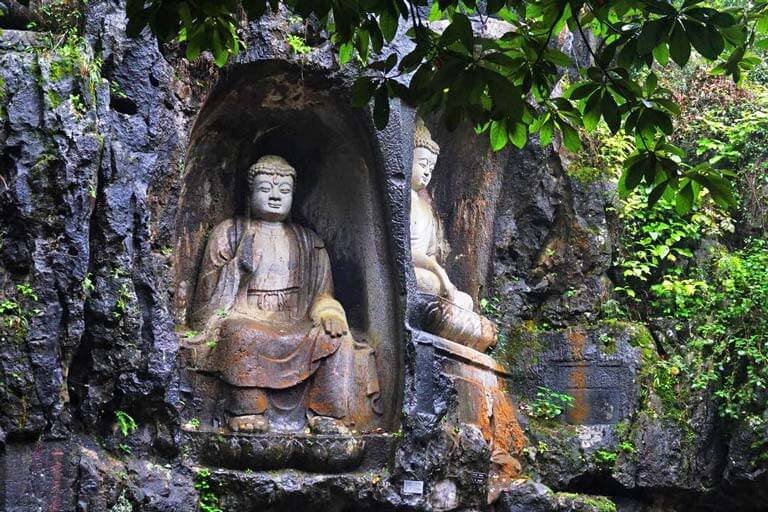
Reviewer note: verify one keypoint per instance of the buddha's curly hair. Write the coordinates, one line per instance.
(423, 139)
(272, 165)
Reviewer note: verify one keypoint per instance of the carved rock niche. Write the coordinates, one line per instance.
(272, 109)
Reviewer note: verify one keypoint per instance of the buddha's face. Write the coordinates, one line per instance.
(423, 165)
(271, 196)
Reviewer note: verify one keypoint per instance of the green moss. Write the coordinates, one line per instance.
(592, 503)
(60, 69)
(587, 174)
(561, 441)
(600, 504)
(521, 343)
(54, 100)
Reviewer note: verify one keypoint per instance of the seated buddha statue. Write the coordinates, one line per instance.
(450, 314)
(283, 347)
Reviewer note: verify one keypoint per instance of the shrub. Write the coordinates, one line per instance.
(549, 404)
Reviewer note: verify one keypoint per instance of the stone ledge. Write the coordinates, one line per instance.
(306, 452)
(20, 40)
(460, 352)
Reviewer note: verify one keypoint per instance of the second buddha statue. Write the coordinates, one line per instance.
(450, 313)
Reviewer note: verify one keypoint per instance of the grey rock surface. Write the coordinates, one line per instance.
(91, 171)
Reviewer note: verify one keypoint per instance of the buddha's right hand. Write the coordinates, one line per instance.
(329, 315)
(334, 326)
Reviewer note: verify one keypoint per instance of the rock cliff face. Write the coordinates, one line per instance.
(95, 136)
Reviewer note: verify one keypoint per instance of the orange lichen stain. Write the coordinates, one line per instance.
(507, 433)
(577, 340)
(507, 446)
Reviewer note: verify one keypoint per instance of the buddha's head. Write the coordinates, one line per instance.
(271, 181)
(425, 151)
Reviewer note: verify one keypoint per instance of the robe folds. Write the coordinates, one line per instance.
(287, 349)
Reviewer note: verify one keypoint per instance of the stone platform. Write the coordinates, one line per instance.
(306, 452)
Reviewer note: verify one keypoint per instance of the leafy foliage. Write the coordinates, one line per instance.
(59, 16)
(207, 501)
(549, 404)
(15, 311)
(125, 423)
(657, 243)
(505, 86)
(605, 458)
(729, 344)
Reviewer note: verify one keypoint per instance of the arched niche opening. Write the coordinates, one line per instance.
(272, 108)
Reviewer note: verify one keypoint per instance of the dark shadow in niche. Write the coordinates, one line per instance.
(269, 108)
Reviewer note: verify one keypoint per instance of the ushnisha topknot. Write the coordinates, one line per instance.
(423, 139)
(271, 164)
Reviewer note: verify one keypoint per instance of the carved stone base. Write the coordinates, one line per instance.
(307, 452)
(482, 401)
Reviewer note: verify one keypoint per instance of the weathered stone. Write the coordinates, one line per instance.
(552, 243)
(95, 181)
(527, 496)
(314, 453)
(598, 367)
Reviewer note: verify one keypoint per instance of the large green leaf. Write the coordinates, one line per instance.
(705, 38)
(499, 135)
(679, 46)
(381, 108)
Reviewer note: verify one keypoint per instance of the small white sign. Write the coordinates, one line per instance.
(413, 487)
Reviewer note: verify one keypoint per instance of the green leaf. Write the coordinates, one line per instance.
(651, 35)
(381, 108)
(679, 47)
(388, 23)
(377, 40)
(220, 53)
(633, 174)
(412, 60)
(494, 6)
(499, 135)
(705, 38)
(363, 41)
(719, 188)
(362, 90)
(661, 54)
(460, 29)
(571, 139)
(657, 192)
(518, 135)
(610, 111)
(557, 57)
(581, 90)
(684, 199)
(506, 96)
(546, 132)
(345, 52)
(651, 82)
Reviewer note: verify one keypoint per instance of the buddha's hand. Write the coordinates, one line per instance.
(334, 324)
(450, 293)
(329, 315)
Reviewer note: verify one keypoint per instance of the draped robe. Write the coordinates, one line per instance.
(282, 348)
